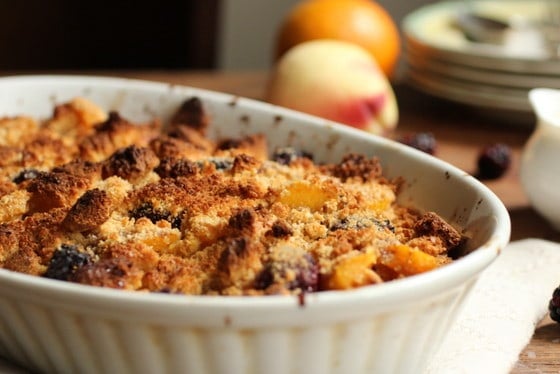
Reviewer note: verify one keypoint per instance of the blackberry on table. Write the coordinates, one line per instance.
(493, 161)
(554, 305)
(423, 141)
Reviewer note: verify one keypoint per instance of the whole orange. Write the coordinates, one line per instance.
(363, 22)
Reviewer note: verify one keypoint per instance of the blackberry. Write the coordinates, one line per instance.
(423, 141)
(286, 155)
(222, 163)
(493, 161)
(341, 224)
(385, 224)
(177, 222)
(358, 223)
(554, 305)
(147, 210)
(305, 275)
(25, 175)
(65, 261)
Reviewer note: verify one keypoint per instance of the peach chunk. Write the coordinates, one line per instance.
(407, 260)
(352, 272)
(301, 194)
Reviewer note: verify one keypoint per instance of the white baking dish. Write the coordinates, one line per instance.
(53, 326)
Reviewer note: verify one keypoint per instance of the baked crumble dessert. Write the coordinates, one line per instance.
(89, 197)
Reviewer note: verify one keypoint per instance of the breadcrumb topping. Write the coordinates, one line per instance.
(89, 197)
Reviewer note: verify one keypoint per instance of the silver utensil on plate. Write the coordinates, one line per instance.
(482, 29)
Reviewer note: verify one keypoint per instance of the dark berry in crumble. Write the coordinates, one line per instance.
(65, 261)
(286, 155)
(304, 275)
(26, 174)
(493, 161)
(147, 210)
(423, 141)
(554, 305)
(307, 275)
(222, 163)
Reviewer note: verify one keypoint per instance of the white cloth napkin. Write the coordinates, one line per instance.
(509, 299)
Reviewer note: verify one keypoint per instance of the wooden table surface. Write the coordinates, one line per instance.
(461, 132)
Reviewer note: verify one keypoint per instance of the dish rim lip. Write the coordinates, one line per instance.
(413, 287)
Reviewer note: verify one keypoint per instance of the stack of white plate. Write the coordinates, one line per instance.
(443, 62)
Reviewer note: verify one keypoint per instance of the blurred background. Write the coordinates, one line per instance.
(241, 47)
(170, 34)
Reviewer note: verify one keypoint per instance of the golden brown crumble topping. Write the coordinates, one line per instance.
(90, 197)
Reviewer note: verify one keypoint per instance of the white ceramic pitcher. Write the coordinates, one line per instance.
(540, 159)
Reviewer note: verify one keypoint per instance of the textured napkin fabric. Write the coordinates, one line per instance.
(509, 299)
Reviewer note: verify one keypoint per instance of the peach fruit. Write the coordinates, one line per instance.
(336, 80)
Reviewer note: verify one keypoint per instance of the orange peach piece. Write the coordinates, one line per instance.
(406, 260)
(302, 194)
(336, 80)
(353, 272)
